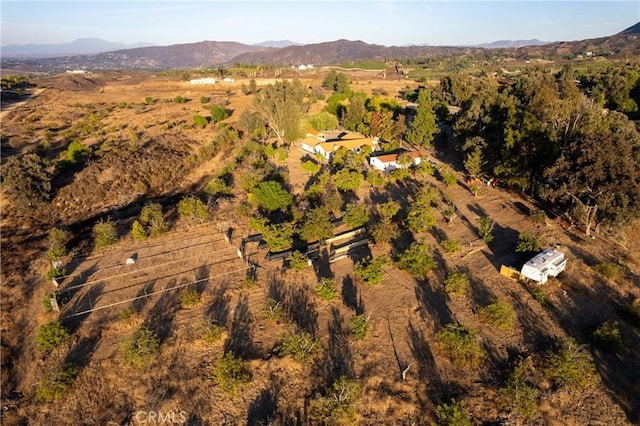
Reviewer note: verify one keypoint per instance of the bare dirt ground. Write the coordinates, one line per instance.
(404, 313)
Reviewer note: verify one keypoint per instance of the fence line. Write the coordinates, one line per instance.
(92, 309)
(137, 270)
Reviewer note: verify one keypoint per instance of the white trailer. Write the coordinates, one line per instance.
(548, 263)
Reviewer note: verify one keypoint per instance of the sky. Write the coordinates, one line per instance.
(447, 22)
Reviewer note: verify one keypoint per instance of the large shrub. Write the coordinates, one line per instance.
(51, 335)
(458, 343)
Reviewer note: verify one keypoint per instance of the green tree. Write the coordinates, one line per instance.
(27, 180)
(271, 196)
(252, 123)
(58, 239)
(51, 335)
(282, 106)
(138, 350)
(218, 113)
(317, 225)
(384, 231)
(298, 261)
(473, 162)
(200, 121)
(322, 120)
(528, 243)
(356, 215)
(311, 167)
(608, 336)
(253, 86)
(152, 218)
(450, 245)
(371, 270)
(217, 186)
(485, 228)
(517, 396)
(423, 127)
(570, 365)
(138, 232)
(417, 260)
(105, 233)
(326, 289)
(359, 326)
(277, 236)
(421, 216)
(348, 180)
(193, 209)
(336, 81)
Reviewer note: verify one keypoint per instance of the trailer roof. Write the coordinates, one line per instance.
(545, 258)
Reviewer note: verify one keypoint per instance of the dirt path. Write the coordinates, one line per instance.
(6, 110)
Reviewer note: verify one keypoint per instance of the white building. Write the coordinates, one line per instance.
(389, 162)
(548, 263)
(207, 80)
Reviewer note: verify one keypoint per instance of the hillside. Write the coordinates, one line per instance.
(214, 53)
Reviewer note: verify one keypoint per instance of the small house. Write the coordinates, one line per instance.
(389, 161)
(548, 263)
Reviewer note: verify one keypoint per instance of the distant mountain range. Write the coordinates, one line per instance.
(502, 44)
(286, 53)
(277, 43)
(80, 46)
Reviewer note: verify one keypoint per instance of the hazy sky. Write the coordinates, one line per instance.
(304, 21)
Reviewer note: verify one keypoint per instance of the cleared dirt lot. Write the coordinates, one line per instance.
(404, 313)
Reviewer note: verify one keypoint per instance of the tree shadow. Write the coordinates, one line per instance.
(218, 309)
(263, 410)
(340, 358)
(350, 296)
(434, 302)
(161, 315)
(141, 299)
(301, 308)
(427, 368)
(480, 293)
(81, 353)
(240, 338)
(321, 265)
(76, 312)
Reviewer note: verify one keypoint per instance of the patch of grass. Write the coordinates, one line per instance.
(55, 383)
(273, 309)
(608, 337)
(452, 414)
(326, 289)
(538, 216)
(459, 344)
(300, 346)
(139, 349)
(56, 272)
(190, 298)
(210, 332)
(298, 261)
(611, 270)
(457, 284)
(450, 245)
(231, 374)
(499, 314)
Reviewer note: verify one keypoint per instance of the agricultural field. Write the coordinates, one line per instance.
(165, 308)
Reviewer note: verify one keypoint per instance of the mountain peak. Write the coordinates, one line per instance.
(634, 29)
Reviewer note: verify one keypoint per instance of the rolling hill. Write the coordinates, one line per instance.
(216, 53)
